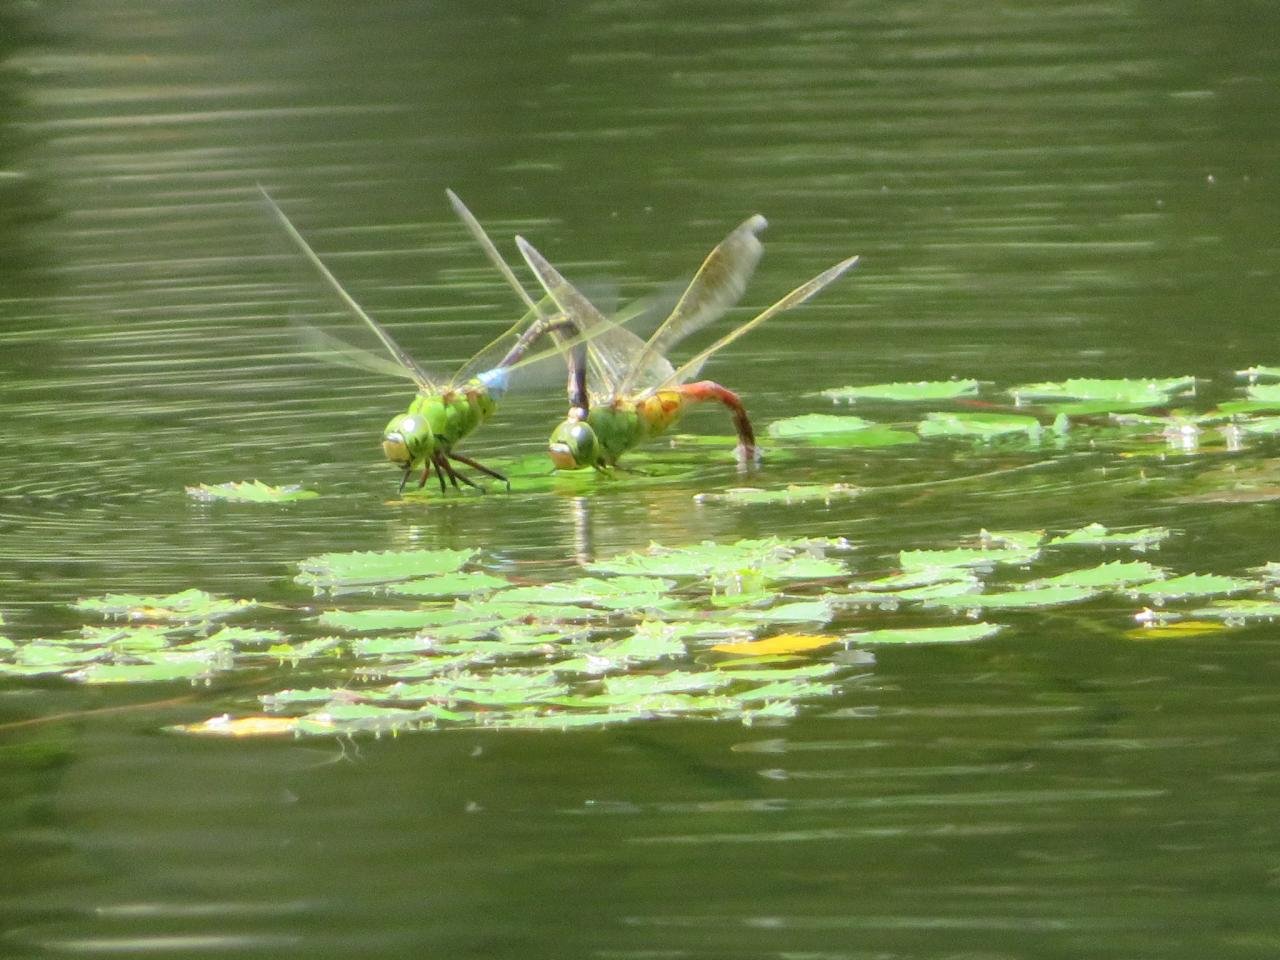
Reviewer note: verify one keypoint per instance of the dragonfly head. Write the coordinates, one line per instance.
(407, 440)
(574, 444)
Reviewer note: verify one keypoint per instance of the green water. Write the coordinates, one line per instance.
(1038, 192)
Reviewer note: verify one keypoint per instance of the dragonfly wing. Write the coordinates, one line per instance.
(793, 299)
(610, 348)
(411, 369)
(336, 350)
(717, 286)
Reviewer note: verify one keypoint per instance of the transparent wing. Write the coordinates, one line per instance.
(793, 299)
(317, 343)
(411, 369)
(611, 348)
(717, 286)
(485, 358)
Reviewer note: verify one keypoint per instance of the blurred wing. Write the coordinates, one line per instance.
(793, 299)
(483, 358)
(717, 286)
(411, 369)
(611, 349)
(333, 349)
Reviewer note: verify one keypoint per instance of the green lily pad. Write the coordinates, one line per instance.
(981, 426)
(449, 585)
(1261, 426)
(1030, 599)
(614, 593)
(187, 606)
(765, 559)
(810, 424)
(191, 669)
(936, 390)
(1238, 610)
(791, 494)
(1096, 535)
(1116, 574)
(1019, 539)
(1148, 392)
(1192, 585)
(333, 571)
(962, 633)
(914, 560)
(250, 491)
(1260, 373)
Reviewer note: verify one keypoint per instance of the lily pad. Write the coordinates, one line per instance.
(915, 560)
(1153, 392)
(1260, 373)
(250, 491)
(1116, 574)
(1192, 585)
(782, 643)
(980, 426)
(1030, 599)
(936, 390)
(1096, 535)
(767, 559)
(333, 571)
(963, 633)
(810, 424)
(187, 606)
(791, 494)
(450, 585)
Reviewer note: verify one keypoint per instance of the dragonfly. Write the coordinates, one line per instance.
(442, 413)
(633, 392)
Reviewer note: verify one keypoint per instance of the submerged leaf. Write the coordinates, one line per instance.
(250, 491)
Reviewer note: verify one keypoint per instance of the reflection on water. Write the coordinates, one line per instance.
(1071, 190)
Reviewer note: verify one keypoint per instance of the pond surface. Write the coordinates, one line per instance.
(1074, 190)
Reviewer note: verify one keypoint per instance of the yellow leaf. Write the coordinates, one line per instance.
(226, 726)
(783, 643)
(1182, 628)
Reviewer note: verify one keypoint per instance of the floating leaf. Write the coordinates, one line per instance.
(250, 491)
(227, 726)
(1148, 392)
(803, 611)
(676, 681)
(1192, 585)
(1181, 629)
(936, 390)
(913, 560)
(1239, 610)
(782, 643)
(188, 606)
(982, 426)
(1262, 426)
(450, 585)
(963, 633)
(1260, 373)
(1019, 539)
(1116, 574)
(1096, 535)
(1016, 599)
(330, 571)
(615, 593)
(766, 559)
(191, 669)
(810, 424)
(794, 493)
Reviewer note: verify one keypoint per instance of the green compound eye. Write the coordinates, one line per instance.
(407, 439)
(573, 445)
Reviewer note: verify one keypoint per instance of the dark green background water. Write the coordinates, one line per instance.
(1038, 190)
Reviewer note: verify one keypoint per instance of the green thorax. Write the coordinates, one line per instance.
(455, 413)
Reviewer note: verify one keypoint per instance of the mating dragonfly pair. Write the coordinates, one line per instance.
(622, 390)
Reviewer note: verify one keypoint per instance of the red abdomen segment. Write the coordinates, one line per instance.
(705, 390)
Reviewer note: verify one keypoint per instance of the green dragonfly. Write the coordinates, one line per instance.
(633, 392)
(443, 412)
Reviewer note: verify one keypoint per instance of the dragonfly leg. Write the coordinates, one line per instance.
(705, 390)
(444, 470)
(404, 478)
(461, 458)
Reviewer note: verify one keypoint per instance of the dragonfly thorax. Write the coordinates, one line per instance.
(408, 439)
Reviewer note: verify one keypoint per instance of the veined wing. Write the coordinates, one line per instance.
(611, 348)
(535, 311)
(717, 286)
(336, 350)
(413, 371)
(793, 299)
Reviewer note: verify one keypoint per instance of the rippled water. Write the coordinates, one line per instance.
(1061, 189)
